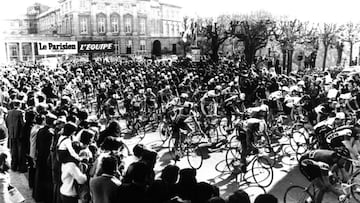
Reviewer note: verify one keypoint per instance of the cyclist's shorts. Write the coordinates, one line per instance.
(311, 172)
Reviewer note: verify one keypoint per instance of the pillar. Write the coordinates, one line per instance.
(33, 51)
(20, 52)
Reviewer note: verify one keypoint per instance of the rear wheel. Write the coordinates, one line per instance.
(233, 155)
(297, 194)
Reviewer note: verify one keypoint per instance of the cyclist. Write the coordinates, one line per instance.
(109, 106)
(344, 136)
(232, 98)
(249, 133)
(138, 102)
(180, 110)
(208, 103)
(150, 99)
(316, 166)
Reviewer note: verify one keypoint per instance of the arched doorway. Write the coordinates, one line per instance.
(156, 48)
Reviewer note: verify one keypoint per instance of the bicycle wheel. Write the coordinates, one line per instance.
(297, 194)
(194, 156)
(262, 172)
(298, 142)
(164, 131)
(233, 155)
(355, 188)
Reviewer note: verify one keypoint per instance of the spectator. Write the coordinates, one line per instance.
(104, 188)
(204, 192)
(216, 200)
(39, 123)
(4, 178)
(43, 186)
(110, 146)
(239, 196)
(164, 189)
(71, 175)
(113, 130)
(15, 123)
(148, 158)
(266, 198)
(134, 192)
(187, 185)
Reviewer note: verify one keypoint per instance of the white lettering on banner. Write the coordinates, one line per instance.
(57, 48)
(93, 47)
(334, 135)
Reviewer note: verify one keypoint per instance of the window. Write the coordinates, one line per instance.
(67, 26)
(142, 45)
(101, 23)
(114, 23)
(142, 25)
(82, 4)
(13, 50)
(69, 5)
(83, 25)
(167, 29)
(70, 25)
(128, 22)
(172, 29)
(128, 47)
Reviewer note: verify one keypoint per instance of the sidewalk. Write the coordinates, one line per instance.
(20, 181)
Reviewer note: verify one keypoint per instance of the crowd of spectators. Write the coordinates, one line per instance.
(70, 157)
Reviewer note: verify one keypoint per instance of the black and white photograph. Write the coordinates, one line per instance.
(179, 101)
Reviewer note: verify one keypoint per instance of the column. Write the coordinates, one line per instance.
(7, 51)
(33, 51)
(20, 52)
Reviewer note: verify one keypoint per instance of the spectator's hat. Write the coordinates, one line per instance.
(51, 116)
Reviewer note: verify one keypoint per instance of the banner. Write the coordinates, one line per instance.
(57, 47)
(96, 46)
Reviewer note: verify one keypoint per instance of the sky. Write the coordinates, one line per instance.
(337, 11)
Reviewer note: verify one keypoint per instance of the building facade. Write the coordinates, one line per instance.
(137, 27)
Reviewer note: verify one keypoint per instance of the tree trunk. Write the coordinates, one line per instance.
(283, 60)
(215, 50)
(289, 65)
(339, 49)
(249, 54)
(351, 52)
(325, 55)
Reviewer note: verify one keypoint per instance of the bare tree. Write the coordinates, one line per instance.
(216, 34)
(328, 34)
(187, 35)
(350, 33)
(254, 31)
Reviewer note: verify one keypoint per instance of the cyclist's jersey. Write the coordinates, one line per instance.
(251, 122)
(336, 137)
(209, 96)
(319, 155)
(138, 100)
(150, 98)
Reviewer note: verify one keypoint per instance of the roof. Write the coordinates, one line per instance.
(170, 5)
(52, 9)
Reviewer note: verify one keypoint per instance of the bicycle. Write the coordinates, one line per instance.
(261, 168)
(188, 143)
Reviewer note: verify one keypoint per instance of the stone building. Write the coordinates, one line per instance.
(137, 27)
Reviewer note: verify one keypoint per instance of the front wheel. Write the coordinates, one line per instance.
(355, 188)
(164, 131)
(297, 194)
(262, 172)
(194, 157)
